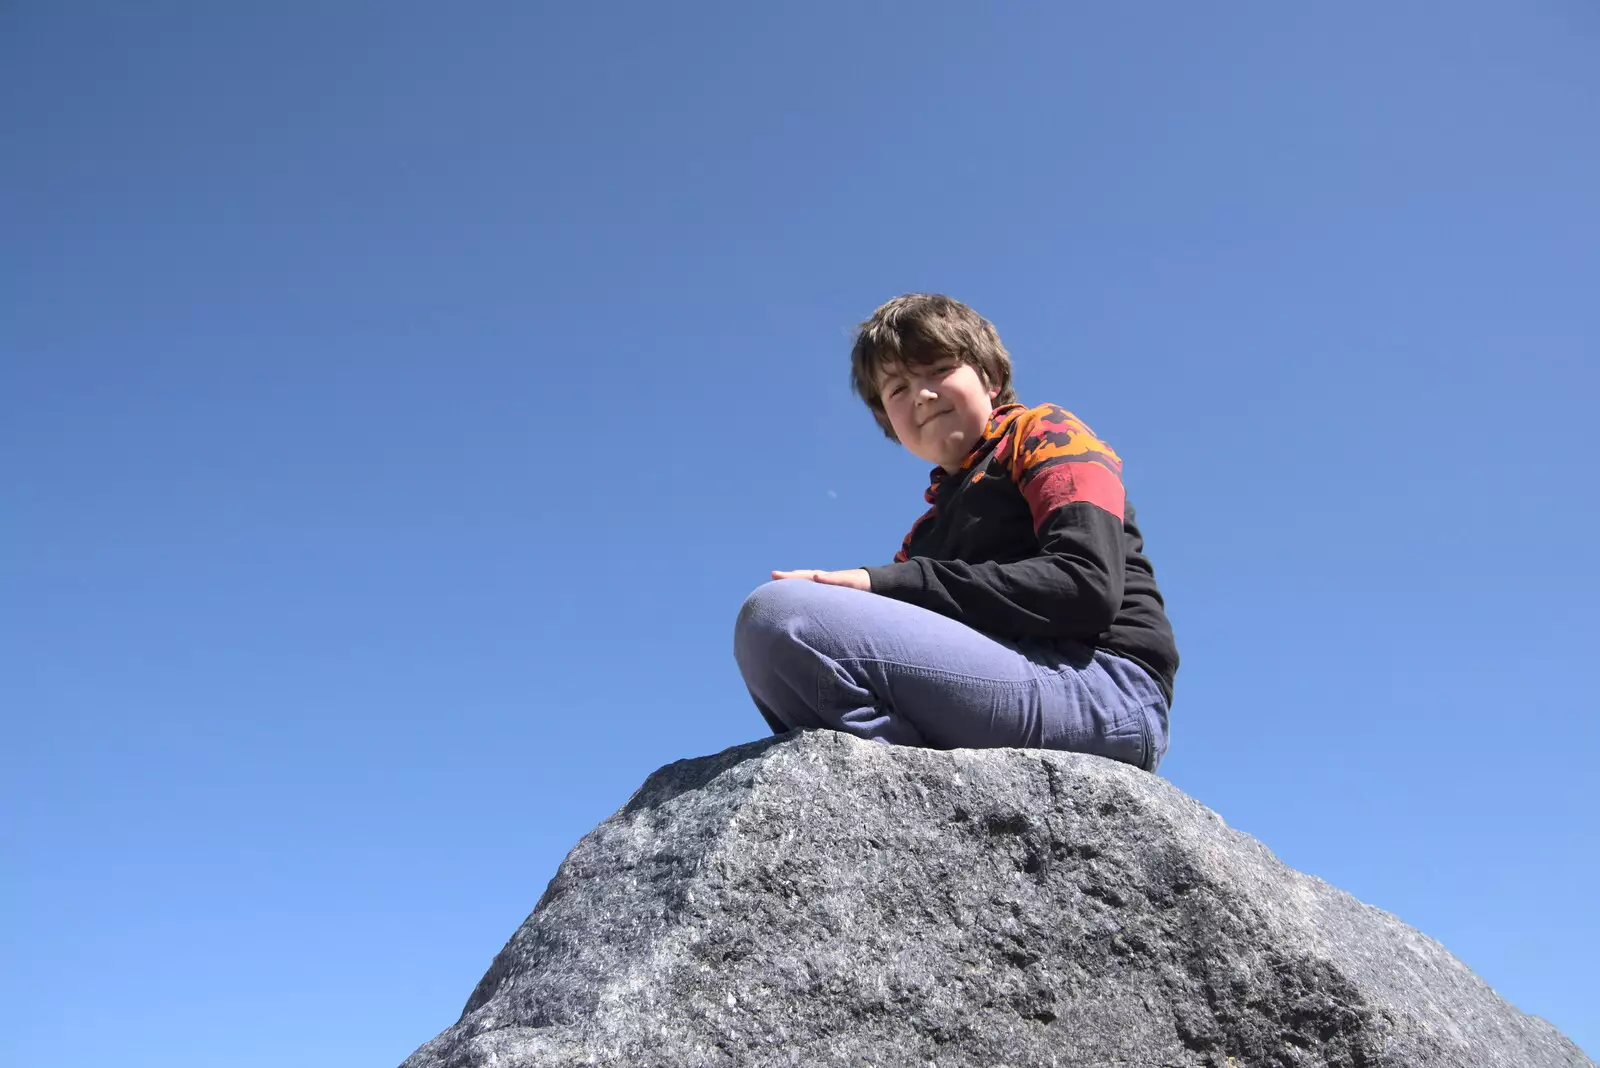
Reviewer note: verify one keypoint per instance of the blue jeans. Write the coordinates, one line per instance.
(814, 655)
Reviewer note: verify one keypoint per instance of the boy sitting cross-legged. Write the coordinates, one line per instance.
(1021, 609)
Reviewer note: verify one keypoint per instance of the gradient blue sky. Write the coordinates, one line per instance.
(398, 400)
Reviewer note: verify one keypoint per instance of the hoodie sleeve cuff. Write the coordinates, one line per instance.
(895, 580)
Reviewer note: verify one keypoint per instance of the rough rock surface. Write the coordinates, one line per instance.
(817, 900)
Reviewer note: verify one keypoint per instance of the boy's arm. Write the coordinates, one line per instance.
(1073, 588)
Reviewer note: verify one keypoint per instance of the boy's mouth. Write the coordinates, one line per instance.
(932, 417)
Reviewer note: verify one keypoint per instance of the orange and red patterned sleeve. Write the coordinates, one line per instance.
(1072, 586)
(1056, 460)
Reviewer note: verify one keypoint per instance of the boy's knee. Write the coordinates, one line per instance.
(773, 602)
(759, 616)
(771, 614)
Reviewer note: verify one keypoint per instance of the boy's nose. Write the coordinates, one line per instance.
(927, 394)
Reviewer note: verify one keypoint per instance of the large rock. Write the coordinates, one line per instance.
(817, 900)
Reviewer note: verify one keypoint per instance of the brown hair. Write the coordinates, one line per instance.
(918, 329)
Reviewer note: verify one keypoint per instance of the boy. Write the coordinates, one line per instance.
(1020, 611)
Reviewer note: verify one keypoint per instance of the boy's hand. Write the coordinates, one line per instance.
(855, 578)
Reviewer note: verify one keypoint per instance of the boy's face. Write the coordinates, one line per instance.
(939, 410)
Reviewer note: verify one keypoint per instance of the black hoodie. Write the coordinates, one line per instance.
(1033, 538)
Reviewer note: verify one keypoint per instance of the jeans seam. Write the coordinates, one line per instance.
(1147, 742)
(935, 673)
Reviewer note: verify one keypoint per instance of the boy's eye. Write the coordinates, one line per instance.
(895, 391)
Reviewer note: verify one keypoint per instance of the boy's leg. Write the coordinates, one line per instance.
(815, 655)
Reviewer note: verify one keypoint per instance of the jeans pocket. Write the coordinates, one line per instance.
(1100, 724)
(1155, 730)
(1127, 736)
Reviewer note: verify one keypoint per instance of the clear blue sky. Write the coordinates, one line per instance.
(398, 400)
